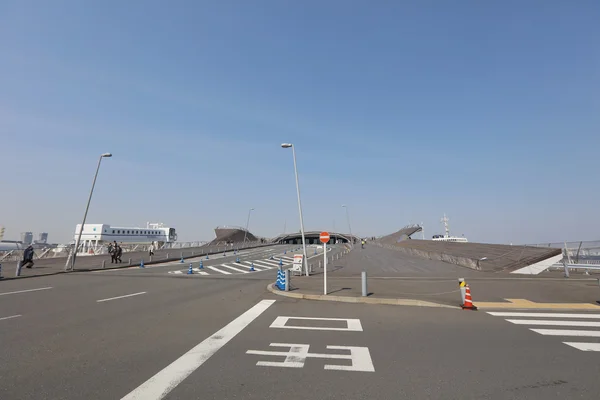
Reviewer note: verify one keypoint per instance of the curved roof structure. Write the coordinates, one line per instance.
(402, 234)
(312, 237)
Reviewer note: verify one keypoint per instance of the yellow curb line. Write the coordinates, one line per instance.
(365, 300)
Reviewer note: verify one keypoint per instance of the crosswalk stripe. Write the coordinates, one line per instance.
(218, 270)
(543, 315)
(256, 265)
(270, 262)
(594, 324)
(234, 268)
(263, 265)
(584, 346)
(566, 332)
(201, 272)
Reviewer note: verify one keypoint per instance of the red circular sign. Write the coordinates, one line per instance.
(324, 237)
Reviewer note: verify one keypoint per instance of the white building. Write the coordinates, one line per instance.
(96, 236)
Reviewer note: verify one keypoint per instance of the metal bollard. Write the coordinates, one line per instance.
(150, 259)
(192, 254)
(363, 275)
(566, 268)
(103, 264)
(167, 255)
(130, 261)
(320, 264)
(287, 280)
(18, 272)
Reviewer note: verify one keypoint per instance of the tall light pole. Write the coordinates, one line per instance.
(86, 209)
(287, 146)
(247, 223)
(349, 227)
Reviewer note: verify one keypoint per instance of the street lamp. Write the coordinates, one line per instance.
(247, 223)
(287, 146)
(86, 209)
(349, 227)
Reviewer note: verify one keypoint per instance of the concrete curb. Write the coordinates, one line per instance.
(364, 300)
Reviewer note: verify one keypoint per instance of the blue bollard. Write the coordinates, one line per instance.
(237, 260)
(252, 267)
(207, 256)
(201, 266)
(280, 262)
(181, 260)
(142, 264)
(190, 270)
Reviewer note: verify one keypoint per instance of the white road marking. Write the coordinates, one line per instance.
(584, 346)
(163, 382)
(566, 332)
(120, 297)
(201, 272)
(298, 353)
(543, 315)
(25, 291)
(218, 270)
(353, 325)
(262, 265)
(12, 316)
(554, 322)
(269, 262)
(234, 268)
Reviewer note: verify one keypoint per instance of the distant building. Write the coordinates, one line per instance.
(43, 238)
(27, 238)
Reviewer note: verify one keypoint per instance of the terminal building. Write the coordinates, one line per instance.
(96, 236)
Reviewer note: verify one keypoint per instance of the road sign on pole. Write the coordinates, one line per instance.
(324, 237)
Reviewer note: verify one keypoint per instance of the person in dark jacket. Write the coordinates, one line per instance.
(28, 257)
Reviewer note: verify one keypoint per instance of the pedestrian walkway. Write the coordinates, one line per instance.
(236, 268)
(569, 322)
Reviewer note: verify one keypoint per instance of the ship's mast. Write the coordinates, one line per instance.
(445, 221)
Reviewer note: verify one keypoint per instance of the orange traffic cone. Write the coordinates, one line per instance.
(468, 300)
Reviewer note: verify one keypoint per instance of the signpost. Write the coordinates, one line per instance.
(324, 237)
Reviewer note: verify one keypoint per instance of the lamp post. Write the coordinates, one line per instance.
(86, 210)
(287, 146)
(247, 223)
(349, 227)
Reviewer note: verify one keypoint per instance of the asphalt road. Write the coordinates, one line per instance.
(75, 336)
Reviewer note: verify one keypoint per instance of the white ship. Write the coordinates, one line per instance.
(447, 237)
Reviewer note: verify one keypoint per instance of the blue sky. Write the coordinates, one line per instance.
(486, 111)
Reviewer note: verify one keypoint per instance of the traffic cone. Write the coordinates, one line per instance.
(142, 264)
(252, 267)
(468, 300)
(201, 266)
(190, 270)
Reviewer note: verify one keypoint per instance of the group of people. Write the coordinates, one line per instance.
(115, 252)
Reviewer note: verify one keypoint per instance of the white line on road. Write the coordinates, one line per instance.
(162, 383)
(234, 268)
(25, 291)
(594, 324)
(12, 316)
(543, 315)
(584, 346)
(219, 270)
(120, 297)
(566, 332)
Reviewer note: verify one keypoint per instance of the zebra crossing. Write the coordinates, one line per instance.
(236, 268)
(549, 324)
